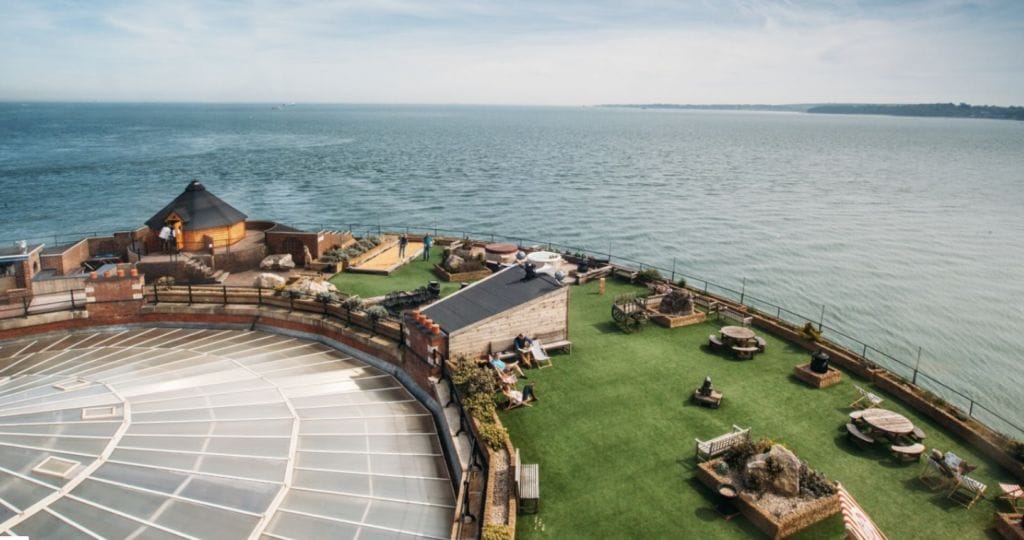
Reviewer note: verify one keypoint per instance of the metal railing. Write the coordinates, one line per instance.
(904, 368)
(23, 307)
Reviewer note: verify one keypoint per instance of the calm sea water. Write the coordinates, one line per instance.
(908, 231)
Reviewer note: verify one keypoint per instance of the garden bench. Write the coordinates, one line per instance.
(708, 304)
(560, 345)
(918, 434)
(908, 453)
(715, 342)
(721, 444)
(527, 485)
(857, 435)
(626, 273)
(744, 320)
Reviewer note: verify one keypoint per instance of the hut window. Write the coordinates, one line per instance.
(6, 269)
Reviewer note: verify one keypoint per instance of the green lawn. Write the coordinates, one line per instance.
(413, 275)
(614, 433)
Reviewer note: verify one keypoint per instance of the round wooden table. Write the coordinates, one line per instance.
(888, 421)
(737, 333)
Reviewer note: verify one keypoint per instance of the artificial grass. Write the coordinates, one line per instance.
(614, 433)
(415, 274)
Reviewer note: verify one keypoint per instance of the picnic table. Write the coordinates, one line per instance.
(888, 421)
(742, 341)
(737, 333)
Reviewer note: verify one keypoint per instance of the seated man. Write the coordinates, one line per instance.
(517, 398)
(523, 345)
(505, 367)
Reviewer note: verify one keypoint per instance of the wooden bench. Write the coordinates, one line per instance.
(857, 436)
(625, 273)
(918, 434)
(504, 353)
(721, 444)
(727, 313)
(709, 305)
(761, 343)
(907, 453)
(715, 342)
(527, 485)
(744, 353)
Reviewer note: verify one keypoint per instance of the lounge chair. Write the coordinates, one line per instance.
(935, 474)
(504, 378)
(967, 491)
(871, 399)
(540, 356)
(1013, 494)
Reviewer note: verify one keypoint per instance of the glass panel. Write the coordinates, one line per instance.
(414, 518)
(274, 410)
(252, 447)
(93, 447)
(296, 526)
(43, 525)
(204, 521)
(352, 426)
(132, 502)
(157, 480)
(413, 489)
(193, 444)
(158, 459)
(405, 465)
(78, 428)
(326, 504)
(21, 493)
(343, 443)
(250, 496)
(405, 444)
(356, 484)
(333, 462)
(260, 469)
(401, 424)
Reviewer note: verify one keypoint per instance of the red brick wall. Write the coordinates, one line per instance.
(115, 297)
(69, 260)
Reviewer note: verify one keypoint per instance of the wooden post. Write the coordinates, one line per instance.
(600, 286)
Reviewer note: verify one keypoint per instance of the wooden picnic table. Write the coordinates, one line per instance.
(888, 421)
(737, 333)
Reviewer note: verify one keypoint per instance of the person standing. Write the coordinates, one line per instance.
(402, 242)
(165, 237)
(427, 243)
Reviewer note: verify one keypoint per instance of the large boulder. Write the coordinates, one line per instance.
(268, 281)
(786, 478)
(278, 262)
(454, 262)
(312, 286)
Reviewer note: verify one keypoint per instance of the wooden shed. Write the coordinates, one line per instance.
(490, 313)
(200, 218)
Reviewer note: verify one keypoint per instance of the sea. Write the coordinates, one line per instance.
(904, 235)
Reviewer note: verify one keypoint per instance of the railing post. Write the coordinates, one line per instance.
(190, 294)
(970, 412)
(224, 289)
(259, 296)
(916, 365)
(821, 319)
(24, 305)
(778, 312)
(72, 298)
(156, 295)
(864, 354)
(291, 303)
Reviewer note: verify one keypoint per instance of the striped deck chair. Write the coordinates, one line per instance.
(967, 491)
(872, 399)
(859, 525)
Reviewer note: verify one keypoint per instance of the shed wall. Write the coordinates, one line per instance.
(546, 318)
(222, 237)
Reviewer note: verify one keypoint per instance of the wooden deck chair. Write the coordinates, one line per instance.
(1013, 494)
(935, 476)
(540, 356)
(967, 491)
(871, 399)
(504, 378)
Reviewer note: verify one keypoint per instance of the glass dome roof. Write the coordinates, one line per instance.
(191, 433)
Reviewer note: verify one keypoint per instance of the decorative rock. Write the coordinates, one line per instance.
(268, 281)
(786, 481)
(312, 287)
(278, 262)
(676, 303)
(454, 262)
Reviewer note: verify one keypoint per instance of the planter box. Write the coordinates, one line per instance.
(318, 266)
(817, 380)
(775, 527)
(475, 275)
(675, 321)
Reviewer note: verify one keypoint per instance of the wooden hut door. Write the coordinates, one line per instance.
(296, 248)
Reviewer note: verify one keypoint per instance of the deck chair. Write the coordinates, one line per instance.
(504, 378)
(967, 491)
(871, 399)
(1013, 494)
(935, 475)
(540, 356)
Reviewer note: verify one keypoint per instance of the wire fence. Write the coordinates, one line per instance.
(905, 368)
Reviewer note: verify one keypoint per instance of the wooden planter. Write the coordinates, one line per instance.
(475, 275)
(817, 380)
(1009, 526)
(318, 266)
(775, 527)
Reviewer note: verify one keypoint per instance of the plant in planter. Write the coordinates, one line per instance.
(810, 333)
(648, 275)
(325, 297)
(1016, 449)
(352, 303)
(376, 313)
(681, 283)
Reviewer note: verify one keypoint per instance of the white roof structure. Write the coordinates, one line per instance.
(190, 433)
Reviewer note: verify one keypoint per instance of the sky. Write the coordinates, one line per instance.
(555, 52)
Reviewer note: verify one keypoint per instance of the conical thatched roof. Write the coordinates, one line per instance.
(198, 209)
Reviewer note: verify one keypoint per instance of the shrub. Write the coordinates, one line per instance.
(354, 251)
(494, 531)
(1017, 450)
(375, 240)
(809, 332)
(376, 313)
(325, 297)
(648, 275)
(814, 484)
(293, 293)
(493, 434)
(681, 282)
(480, 405)
(352, 303)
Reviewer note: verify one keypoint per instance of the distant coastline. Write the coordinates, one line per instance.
(943, 110)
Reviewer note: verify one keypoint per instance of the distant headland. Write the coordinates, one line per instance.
(945, 110)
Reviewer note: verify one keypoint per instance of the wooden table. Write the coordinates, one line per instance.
(888, 421)
(737, 333)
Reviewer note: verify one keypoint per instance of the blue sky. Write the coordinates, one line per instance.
(514, 52)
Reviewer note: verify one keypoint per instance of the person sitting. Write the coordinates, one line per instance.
(517, 398)
(506, 367)
(523, 345)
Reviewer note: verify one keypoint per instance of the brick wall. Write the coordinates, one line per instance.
(115, 296)
(68, 260)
